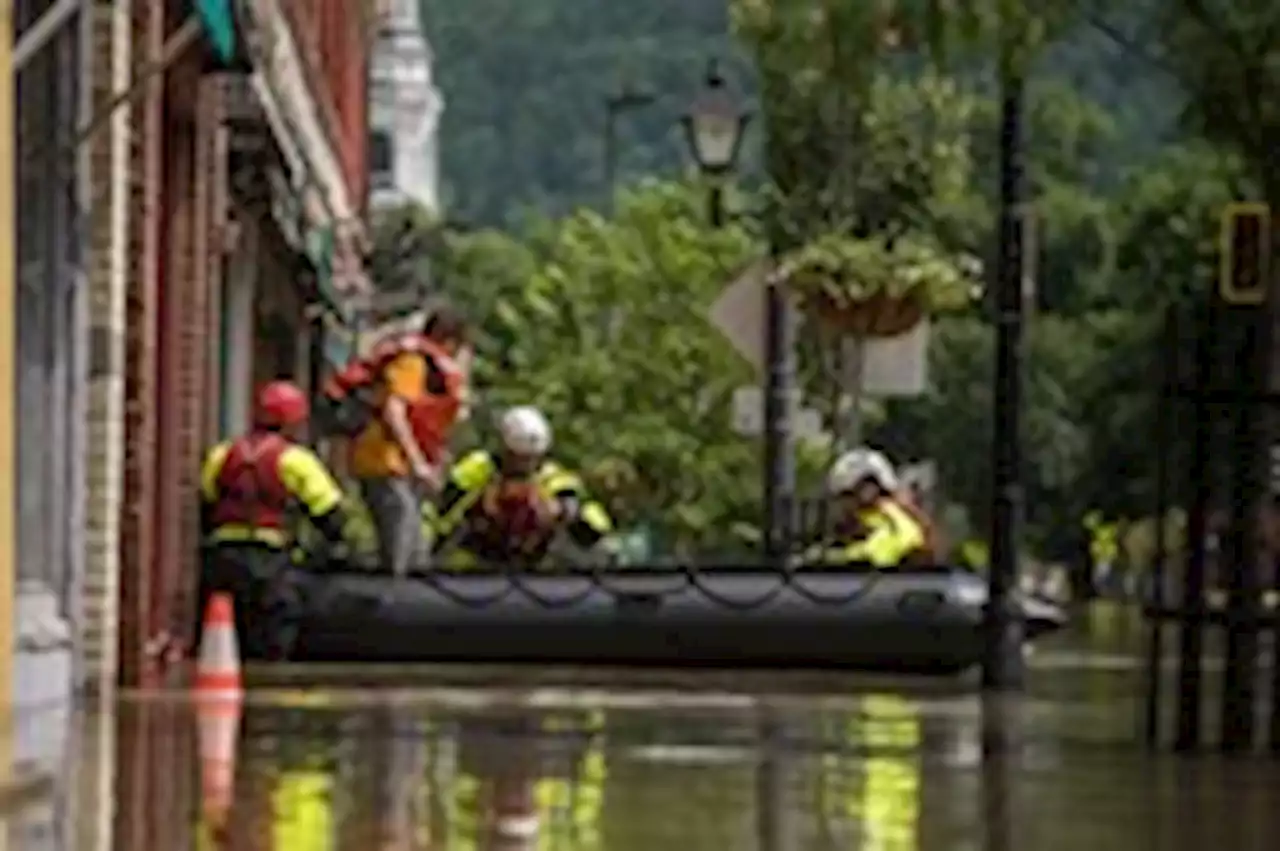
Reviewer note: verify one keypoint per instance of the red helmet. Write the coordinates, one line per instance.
(280, 404)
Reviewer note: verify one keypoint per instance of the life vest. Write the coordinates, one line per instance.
(928, 554)
(352, 397)
(433, 416)
(250, 489)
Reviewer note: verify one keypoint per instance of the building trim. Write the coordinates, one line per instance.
(280, 81)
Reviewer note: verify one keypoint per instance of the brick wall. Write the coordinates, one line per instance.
(137, 546)
(108, 234)
(192, 119)
(177, 301)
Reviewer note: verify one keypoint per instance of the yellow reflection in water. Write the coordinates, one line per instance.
(463, 815)
(570, 807)
(886, 805)
(302, 802)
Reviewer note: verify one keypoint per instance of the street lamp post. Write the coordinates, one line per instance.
(626, 99)
(714, 127)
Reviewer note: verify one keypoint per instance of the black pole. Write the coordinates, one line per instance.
(1242, 559)
(779, 399)
(1191, 630)
(1002, 666)
(715, 205)
(775, 780)
(1157, 596)
(1000, 743)
(626, 99)
(610, 150)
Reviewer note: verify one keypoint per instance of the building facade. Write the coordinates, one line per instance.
(404, 158)
(50, 369)
(248, 236)
(175, 248)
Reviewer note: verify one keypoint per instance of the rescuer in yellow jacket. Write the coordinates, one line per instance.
(250, 489)
(873, 528)
(511, 508)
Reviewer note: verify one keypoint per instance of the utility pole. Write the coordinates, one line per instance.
(779, 419)
(1002, 665)
(626, 99)
(8, 387)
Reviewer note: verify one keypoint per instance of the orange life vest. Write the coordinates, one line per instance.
(436, 412)
(351, 397)
(929, 553)
(251, 491)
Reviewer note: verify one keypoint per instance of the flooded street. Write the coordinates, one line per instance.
(579, 760)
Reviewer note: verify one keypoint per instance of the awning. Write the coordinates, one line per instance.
(314, 188)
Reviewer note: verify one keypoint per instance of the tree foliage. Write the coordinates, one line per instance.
(881, 123)
(525, 86)
(602, 323)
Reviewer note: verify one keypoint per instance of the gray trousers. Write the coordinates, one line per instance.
(396, 507)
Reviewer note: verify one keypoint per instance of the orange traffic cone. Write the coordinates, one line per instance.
(218, 729)
(219, 693)
(218, 668)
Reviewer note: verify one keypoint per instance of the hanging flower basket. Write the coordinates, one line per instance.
(864, 288)
(879, 315)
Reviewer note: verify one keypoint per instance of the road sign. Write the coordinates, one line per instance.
(218, 22)
(896, 366)
(1245, 252)
(739, 312)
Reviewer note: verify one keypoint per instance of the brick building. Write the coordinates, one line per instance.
(246, 229)
(200, 239)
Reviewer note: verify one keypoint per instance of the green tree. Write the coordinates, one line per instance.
(526, 85)
(602, 323)
(1227, 58)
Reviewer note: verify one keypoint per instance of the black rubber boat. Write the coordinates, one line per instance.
(925, 621)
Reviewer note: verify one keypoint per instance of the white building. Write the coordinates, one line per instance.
(405, 113)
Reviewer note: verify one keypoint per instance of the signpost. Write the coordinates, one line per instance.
(748, 416)
(887, 367)
(738, 313)
(1245, 252)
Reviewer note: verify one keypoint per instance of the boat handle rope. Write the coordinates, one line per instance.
(691, 576)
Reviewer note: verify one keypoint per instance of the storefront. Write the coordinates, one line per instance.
(231, 188)
(266, 324)
(51, 375)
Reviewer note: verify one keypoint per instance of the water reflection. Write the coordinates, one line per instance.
(886, 769)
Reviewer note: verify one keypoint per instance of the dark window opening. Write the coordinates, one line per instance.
(380, 159)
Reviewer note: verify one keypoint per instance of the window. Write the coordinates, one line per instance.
(381, 172)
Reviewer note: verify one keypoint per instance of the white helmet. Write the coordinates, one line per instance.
(525, 431)
(857, 465)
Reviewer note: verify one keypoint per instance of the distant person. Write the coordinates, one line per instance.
(872, 526)
(912, 497)
(249, 487)
(400, 453)
(510, 506)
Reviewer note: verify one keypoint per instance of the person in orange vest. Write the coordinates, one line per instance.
(250, 487)
(400, 455)
(912, 498)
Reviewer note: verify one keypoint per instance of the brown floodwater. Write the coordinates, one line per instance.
(579, 760)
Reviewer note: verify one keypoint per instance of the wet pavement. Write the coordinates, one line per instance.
(491, 760)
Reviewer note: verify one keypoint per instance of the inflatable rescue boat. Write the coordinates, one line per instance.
(918, 621)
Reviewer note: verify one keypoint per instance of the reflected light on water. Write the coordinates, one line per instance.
(886, 767)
